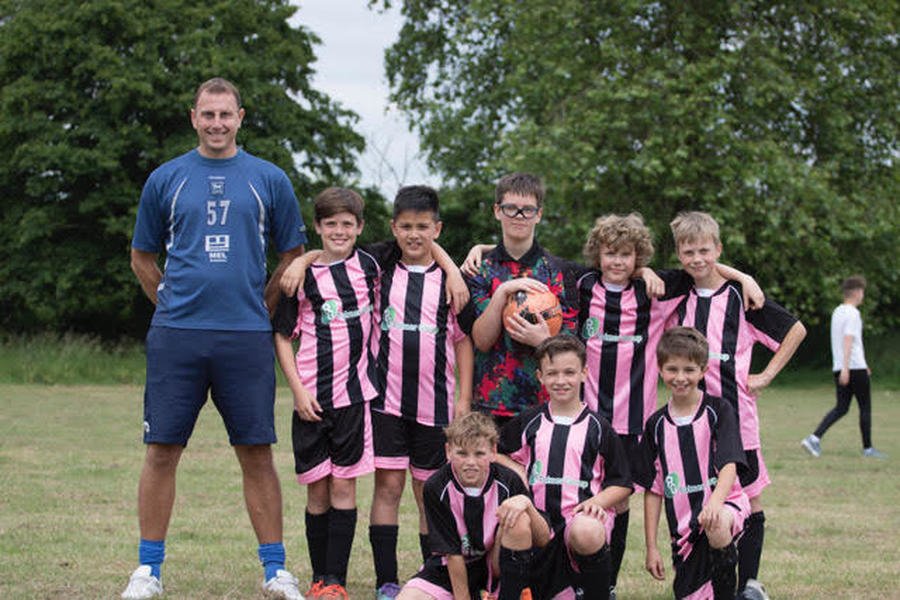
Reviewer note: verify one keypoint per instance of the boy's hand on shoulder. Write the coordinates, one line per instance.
(457, 292)
(472, 263)
(654, 564)
(656, 287)
(306, 406)
(511, 509)
(754, 298)
(295, 273)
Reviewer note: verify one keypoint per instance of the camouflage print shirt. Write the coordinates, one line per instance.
(505, 381)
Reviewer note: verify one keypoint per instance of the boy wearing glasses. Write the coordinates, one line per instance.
(505, 381)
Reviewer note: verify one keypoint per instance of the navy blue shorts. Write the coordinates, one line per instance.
(185, 365)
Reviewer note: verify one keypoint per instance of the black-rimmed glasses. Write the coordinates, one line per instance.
(512, 211)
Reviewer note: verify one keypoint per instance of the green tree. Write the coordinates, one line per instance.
(95, 95)
(779, 118)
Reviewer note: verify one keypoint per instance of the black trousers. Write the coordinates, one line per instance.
(857, 386)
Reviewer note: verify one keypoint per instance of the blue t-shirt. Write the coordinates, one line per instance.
(213, 218)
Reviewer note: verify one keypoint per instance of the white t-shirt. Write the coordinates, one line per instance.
(846, 320)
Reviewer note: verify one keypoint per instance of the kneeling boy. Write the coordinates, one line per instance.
(480, 521)
(577, 472)
(688, 459)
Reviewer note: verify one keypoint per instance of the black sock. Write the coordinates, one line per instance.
(515, 566)
(721, 565)
(317, 542)
(384, 552)
(594, 576)
(424, 547)
(341, 529)
(750, 548)
(617, 545)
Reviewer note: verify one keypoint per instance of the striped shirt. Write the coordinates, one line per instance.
(459, 524)
(681, 463)
(732, 333)
(416, 353)
(621, 329)
(566, 463)
(334, 317)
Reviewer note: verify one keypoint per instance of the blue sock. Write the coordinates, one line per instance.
(152, 553)
(272, 558)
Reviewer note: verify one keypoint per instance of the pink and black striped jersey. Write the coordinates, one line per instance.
(621, 330)
(731, 332)
(681, 463)
(416, 349)
(460, 524)
(334, 317)
(566, 463)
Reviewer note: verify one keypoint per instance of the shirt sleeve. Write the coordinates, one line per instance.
(466, 317)
(288, 230)
(770, 324)
(511, 436)
(678, 283)
(479, 290)
(616, 470)
(643, 463)
(149, 225)
(284, 321)
(729, 448)
(443, 538)
(386, 253)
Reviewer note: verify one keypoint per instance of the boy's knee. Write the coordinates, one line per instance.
(721, 536)
(586, 535)
(389, 490)
(517, 537)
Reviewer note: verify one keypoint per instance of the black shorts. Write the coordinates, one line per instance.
(339, 445)
(402, 443)
(552, 569)
(434, 579)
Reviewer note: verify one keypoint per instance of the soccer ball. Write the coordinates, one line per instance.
(530, 303)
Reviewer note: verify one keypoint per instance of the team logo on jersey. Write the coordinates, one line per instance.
(590, 328)
(389, 321)
(537, 476)
(331, 310)
(673, 485)
(466, 544)
(216, 186)
(217, 247)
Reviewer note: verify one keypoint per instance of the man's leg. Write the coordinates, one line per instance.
(843, 396)
(262, 492)
(156, 496)
(860, 387)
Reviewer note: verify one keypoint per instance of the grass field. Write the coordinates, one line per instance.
(70, 458)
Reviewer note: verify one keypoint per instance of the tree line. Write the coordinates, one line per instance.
(778, 118)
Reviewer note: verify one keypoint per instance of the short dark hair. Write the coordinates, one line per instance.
(218, 85)
(853, 283)
(559, 344)
(684, 342)
(523, 184)
(417, 198)
(334, 200)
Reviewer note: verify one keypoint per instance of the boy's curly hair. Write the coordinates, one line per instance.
(619, 231)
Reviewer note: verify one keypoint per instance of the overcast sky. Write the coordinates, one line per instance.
(350, 69)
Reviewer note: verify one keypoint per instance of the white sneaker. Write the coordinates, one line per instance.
(283, 586)
(754, 590)
(142, 585)
(812, 445)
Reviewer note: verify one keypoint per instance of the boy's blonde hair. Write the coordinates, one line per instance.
(684, 342)
(691, 226)
(619, 231)
(470, 428)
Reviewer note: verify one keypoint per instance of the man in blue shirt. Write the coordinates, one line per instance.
(212, 211)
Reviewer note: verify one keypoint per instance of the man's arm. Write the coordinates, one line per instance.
(144, 266)
(272, 292)
(846, 350)
(778, 361)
